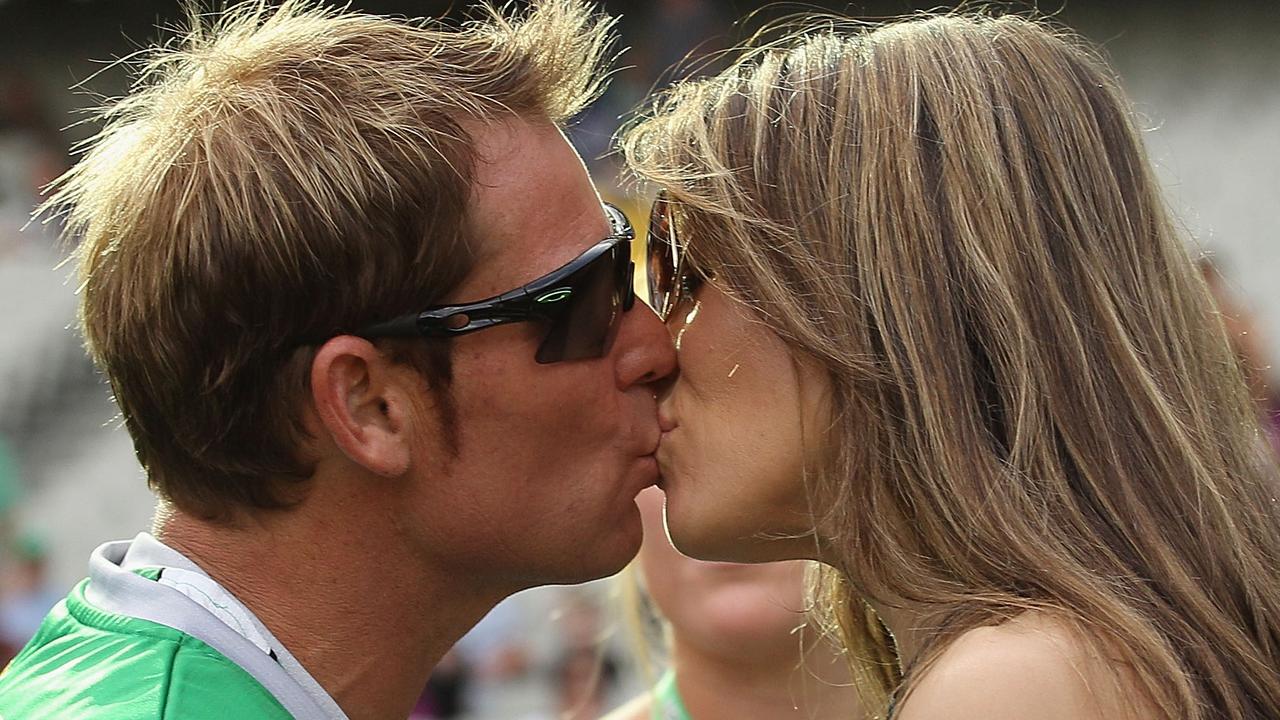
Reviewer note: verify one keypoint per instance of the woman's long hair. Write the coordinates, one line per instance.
(1034, 402)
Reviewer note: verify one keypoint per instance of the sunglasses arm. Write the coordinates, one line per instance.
(402, 327)
(461, 319)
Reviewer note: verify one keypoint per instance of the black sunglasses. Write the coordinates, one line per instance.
(671, 279)
(581, 303)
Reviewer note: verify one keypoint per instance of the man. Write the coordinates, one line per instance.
(369, 327)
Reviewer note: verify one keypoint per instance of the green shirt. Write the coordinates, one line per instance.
(150, 636)
(667, 703)
(88, 663)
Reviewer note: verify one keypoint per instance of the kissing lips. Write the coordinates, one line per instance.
(663, 458)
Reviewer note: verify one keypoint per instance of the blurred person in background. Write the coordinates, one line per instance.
(681, 36)
(673, 39)
(26, 596)
(31, 156)
(585, 671)
(738, 640)
(937, 330)
(493, 652)
(582, 681)
(10, 493)
(371, 331)
(445, 694)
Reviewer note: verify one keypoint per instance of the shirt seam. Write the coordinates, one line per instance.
(167, 690)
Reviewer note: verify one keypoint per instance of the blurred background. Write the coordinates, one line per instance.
(1205, 76)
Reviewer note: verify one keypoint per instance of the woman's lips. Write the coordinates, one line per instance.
(662, 455)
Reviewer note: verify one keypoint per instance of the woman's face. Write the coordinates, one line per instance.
(735, 423)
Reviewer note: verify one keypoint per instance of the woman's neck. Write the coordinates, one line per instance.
(904, 625)
(715, 687)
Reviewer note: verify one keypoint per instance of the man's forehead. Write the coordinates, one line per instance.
(533, 207)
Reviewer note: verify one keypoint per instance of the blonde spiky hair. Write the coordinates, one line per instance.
(284, 172)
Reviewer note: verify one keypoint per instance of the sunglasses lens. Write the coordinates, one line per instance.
(662, 255)
(582, 326)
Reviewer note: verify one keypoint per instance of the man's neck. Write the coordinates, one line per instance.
(364, 619)
(715, 687)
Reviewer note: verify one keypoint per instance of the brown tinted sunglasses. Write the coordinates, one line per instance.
(672, 279)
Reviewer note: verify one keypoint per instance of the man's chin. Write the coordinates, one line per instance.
(618, 550)
(594, 559)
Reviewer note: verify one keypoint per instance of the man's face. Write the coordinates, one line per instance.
(550, 457)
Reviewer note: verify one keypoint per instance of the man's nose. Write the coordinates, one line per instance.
(646, 353)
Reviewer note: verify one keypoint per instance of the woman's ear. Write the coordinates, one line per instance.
(358, 403)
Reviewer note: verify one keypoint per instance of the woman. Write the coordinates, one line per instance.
(738, 644)
(937, 330)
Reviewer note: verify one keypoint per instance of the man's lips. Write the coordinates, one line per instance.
(651, 463)
(649, 471)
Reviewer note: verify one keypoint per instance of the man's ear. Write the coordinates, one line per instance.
(353, 388)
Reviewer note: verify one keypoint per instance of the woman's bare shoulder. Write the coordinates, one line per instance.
(637, 708)
(1035, 665)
